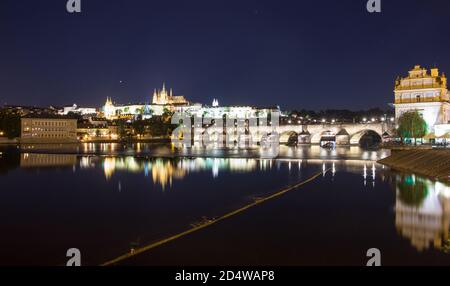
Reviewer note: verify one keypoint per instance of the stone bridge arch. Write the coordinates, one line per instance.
(355, 138)
(288, 137)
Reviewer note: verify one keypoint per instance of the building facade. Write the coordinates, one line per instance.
(113, 111)
(165, 100)
(236, 112)
(424, 91)
(48, 130)
(162, 100)
(78, 110)
(162, 97)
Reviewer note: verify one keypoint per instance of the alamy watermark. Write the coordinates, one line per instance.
(75, 257)
(73, 6)
(374, 6)
(375, 257)
(221, 132)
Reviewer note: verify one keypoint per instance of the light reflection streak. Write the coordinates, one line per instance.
(163, 171)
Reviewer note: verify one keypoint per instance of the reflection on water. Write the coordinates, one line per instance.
(30, 160)
(164, 170)
(422, 211)
(422, 206)
(171, 150)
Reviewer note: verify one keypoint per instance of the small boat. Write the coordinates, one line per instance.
(328, 145)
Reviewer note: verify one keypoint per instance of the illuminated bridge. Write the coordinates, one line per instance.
(339, 134)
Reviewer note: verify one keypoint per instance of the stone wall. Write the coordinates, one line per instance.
(432, 163)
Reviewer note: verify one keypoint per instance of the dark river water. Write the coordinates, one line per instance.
(107, 199)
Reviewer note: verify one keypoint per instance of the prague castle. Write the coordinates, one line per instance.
(162, 97)
(425, 91)
(162, 100)
(165, 100)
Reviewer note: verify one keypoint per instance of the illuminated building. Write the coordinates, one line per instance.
(427, 93)
(129, 111)
(78, 110)
(162, 100)
(238, 112)
(165, 100)
(48, 130)
(162, 97)
(88, 133)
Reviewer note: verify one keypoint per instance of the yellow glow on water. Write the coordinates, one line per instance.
(422, 211)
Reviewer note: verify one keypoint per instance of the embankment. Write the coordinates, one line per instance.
(6, 141)
(432, 163)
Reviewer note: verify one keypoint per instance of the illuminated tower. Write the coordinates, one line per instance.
(108, 108)
(160, 97)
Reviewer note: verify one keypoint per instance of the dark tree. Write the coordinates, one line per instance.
(139, 126)
(10, 124)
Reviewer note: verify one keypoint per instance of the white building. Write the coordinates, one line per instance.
(129, 111)
(427, 93)
(79, 110)
(237, 112)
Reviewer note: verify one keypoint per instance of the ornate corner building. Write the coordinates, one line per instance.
(424, 91)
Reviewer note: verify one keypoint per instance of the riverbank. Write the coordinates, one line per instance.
(431, 163)
(7, 141)
(132, 140)
(17, 141)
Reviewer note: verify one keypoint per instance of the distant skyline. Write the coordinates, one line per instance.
(297, 54)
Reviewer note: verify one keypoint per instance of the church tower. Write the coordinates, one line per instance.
(166, 97)
(108, 108)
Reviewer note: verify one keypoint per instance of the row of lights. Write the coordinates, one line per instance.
(382, 119)
(365, 120)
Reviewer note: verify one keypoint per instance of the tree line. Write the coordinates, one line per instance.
(9, 124)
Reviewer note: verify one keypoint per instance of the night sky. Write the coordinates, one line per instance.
(313, 54)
